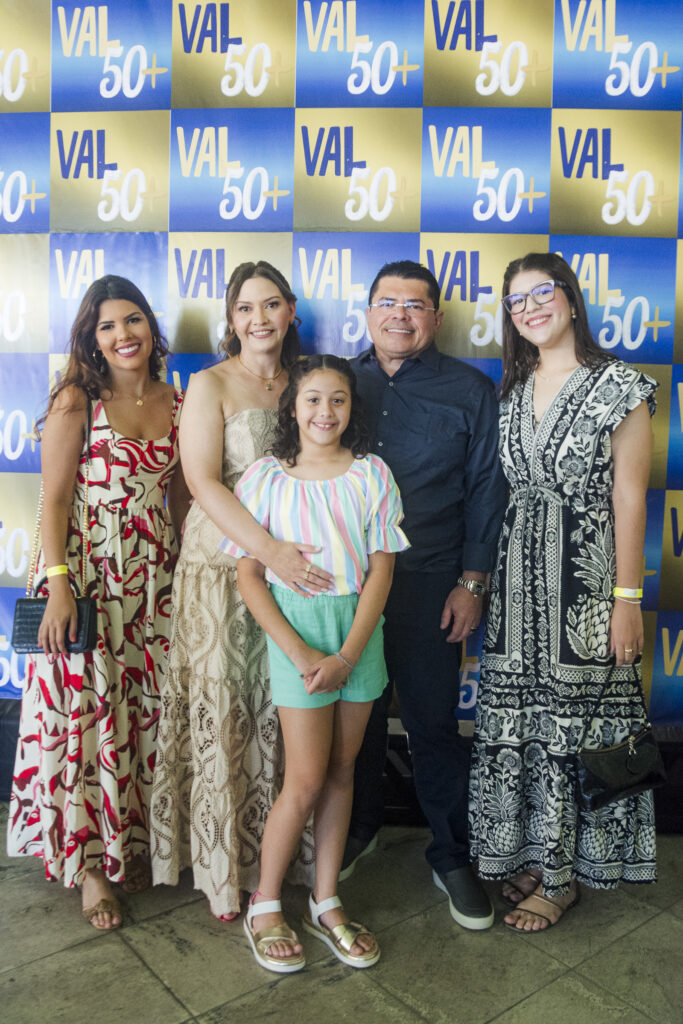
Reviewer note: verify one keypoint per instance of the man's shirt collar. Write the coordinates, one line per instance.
(429, 356)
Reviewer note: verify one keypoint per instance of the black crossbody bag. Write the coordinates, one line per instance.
(624, 769)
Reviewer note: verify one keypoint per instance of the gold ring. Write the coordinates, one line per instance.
(308, 569)
(628, 650)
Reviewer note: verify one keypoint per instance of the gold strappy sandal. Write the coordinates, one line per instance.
(261, 941)
(341, 937)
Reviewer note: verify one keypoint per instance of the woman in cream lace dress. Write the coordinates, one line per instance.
(219, 758)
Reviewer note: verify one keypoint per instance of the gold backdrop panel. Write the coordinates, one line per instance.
(241, 54)
(108, 172)
(357, 170)
(25, 56)
(615, 172)
(671, 584)
(18, 505)
(199, 267)
(660, 421)
(678, 325)
(24, 321)
(470, 270)
(495, 54)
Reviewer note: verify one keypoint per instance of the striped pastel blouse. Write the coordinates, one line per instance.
(349, 516)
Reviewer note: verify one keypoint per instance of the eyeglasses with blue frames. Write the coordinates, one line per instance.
(541, 293)
(414, 308)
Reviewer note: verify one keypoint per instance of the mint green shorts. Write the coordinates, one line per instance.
(324, 622)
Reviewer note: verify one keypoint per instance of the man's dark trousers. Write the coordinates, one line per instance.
(425, 670)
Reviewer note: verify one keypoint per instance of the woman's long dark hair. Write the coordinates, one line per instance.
(287, 444)
(231, 345)
(520, 357)
(87, 368)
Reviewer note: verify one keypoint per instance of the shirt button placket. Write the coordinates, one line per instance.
(385, 412)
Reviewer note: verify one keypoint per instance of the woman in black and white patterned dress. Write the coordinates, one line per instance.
(575, 444)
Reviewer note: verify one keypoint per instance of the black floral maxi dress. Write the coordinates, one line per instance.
(546, 647)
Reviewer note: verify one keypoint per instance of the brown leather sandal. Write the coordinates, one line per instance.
(104, 906)
(518, 888)
(547, 902)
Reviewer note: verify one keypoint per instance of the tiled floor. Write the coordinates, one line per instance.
(617, 958)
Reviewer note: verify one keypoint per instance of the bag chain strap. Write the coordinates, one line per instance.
(85, 526)
(36, 540)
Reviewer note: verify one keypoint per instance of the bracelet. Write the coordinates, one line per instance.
(341, 657)
(627, 592)
(57, 570)
(627, 600)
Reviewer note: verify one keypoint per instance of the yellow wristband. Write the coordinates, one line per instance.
(627, 592)
(57, 570)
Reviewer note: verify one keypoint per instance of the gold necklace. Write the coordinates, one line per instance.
(268, 380)
(558, 373)
(143, 396)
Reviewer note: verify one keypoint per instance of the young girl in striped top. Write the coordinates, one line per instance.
(326, 653)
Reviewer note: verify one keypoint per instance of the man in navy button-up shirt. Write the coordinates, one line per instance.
(435, 422)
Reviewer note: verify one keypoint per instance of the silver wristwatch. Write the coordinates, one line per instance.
(475, 587)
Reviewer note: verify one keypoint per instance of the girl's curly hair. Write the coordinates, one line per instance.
(287, 444)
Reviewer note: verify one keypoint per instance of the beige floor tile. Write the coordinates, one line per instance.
(45, 917)
(101, 982)
(39, 918)
(328, 993)
(600, 918)
(204, 962)
(391, 884)
(643, 968)
(448, 974)
(16, 863)
(669, 873)
(572, 1000)
(161, 898)
(181, 965)
(677, 908)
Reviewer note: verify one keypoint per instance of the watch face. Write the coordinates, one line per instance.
(474, 586)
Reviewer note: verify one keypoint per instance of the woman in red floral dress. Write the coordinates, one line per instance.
(87, 738)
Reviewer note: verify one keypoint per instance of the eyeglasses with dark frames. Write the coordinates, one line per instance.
(541, 293)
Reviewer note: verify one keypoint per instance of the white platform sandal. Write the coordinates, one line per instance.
(261, 941)
(341, 937)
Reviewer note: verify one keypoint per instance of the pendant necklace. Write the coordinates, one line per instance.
(268, 380)
(141, 400)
